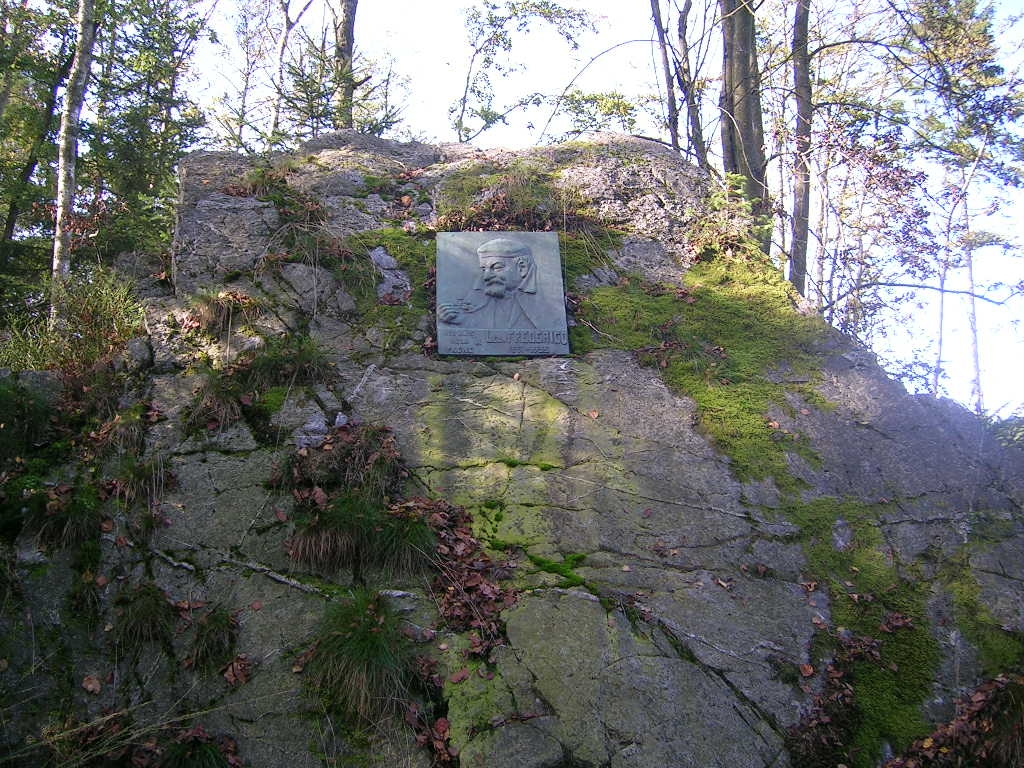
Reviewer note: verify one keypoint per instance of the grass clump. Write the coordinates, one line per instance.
(213, 644)
(194, 748)
(143, 614)
(284, 360)
(358, 458)
(357, 532)
(216, 403)
(345, 518)
(70, 514)
(218, 312)
(228, 393)
(84, 597)
(361, 663)
(97, 313)
(193, 754)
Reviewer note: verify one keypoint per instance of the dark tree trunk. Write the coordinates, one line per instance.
(45, 125)
(344, 12)
(742, 120)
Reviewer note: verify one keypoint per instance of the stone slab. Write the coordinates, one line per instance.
(500, 293)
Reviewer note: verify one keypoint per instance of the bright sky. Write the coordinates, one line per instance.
(427, 41)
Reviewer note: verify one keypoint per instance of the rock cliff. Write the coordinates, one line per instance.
(715, 535)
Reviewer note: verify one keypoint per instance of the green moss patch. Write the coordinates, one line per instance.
(872, 605)
(715, 340)
(998, 649)
(565, 569)
(586, 250)
(415, 254)
(521, 195)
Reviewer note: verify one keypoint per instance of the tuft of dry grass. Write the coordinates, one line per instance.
(361, 664)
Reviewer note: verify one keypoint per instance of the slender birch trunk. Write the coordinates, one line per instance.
(67, 144)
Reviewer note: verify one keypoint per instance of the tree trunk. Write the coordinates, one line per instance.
(344, 12)
(67, 145)
(670, 89)
(740, 103)
(688, 88)
(977, 401)
(802, 139)
(29, 167)
(937, 369)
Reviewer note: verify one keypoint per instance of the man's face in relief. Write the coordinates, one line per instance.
(496, 272)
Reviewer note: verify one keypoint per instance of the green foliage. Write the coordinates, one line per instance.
(729, 225)
(143, 614)
(361, 662)
(97, 314)
(314, 78)
(23, 420)
(715, 341)
(145, 223)
(600, 111)
(1010, 431)
(34, 61)
(490, 27)
(145, 123)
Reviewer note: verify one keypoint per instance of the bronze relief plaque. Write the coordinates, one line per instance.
(500, 293)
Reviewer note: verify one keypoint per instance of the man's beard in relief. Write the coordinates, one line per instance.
(496, 289)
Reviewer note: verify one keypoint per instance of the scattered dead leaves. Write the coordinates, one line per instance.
(92, 684)
(238, 670)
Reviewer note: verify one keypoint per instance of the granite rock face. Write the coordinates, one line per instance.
(675, 642)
